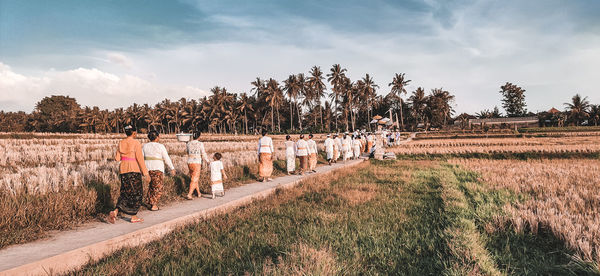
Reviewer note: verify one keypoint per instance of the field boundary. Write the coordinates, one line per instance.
(73, 259)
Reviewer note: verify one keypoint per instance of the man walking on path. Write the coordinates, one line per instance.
(329, 148)
(312, 153)
(265, 157)
(302, 153)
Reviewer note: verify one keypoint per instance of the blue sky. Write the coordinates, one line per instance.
(113, 53)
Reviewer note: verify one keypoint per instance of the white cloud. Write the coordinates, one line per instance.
(91, 87)
(120, 59)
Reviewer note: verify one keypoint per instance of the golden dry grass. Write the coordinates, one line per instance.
(563, 196)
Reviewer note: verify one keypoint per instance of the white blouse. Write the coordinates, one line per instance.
(312, 146)
(155, 157)
(196, 152)
(265, 145)
(301, 148)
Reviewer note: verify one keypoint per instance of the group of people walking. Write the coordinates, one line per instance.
(148, 161)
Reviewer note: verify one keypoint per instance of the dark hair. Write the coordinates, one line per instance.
(197, 135)
(129, 130)
(264, 132)
(287, 137)
(310, 136)
(301, 136)
(152, 135)
(217, 156)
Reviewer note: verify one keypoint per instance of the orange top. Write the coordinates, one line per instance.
(130, 154)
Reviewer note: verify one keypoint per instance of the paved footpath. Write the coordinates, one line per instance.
(67, 250)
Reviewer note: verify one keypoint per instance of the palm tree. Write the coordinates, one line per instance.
(595, 114)
(369, 93)
(315, 82)
(303, 91)
(398, 85)
(291, 89)
(439, 105)
(336, 78)
(578, 108)
(244, 106)
(418, 102)
(274, 98)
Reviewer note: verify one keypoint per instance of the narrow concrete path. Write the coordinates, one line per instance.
(71, 249)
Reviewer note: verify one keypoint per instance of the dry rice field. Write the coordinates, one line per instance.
(562, 195)
(51, 163)
(558, 189)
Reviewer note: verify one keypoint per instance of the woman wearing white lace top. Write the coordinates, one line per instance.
(155, 157)
(196, 154)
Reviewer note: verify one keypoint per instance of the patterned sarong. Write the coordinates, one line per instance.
(131, 194)
(155, 188)
(265, 165)
(369, 146)
(303, 163)
(336, 154)
(312, 161)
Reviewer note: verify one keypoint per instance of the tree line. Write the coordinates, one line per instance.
(300, 103)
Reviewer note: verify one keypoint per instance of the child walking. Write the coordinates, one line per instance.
(217, 175)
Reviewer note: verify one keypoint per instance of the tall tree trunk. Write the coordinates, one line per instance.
(401, 115)
(321, 109)
(272, 118)
(299, 116)
(278, 120)
(245, 123)
(291, 116)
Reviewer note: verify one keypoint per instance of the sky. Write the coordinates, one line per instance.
(113, 53)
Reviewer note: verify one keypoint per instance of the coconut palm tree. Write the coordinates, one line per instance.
(315, 82)
(398, 84)
(595, 114)
(291, 89)
(336, 78)
(369, 92)
(418, 103)
(578, 108)
(274, 98)
(244, 106)
(303, 91)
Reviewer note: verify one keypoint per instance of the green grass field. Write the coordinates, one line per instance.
(390, 217)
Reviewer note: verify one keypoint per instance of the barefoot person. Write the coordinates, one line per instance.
(265, 157)
(312, 153)
(155, 157)
(196, 154)
(329, 148)
(132, 166)
(302, 153)
(217, 176)
(290, 155)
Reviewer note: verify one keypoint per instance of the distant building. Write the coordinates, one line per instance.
(532, 121)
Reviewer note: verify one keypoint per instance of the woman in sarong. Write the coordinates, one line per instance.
(302, 153)
(312, 153)
(346, 148)
(131, 168)
(155, 158)
(290, 155)
(329, 148)
(265, 157)
(356, 145)
(196, 154)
